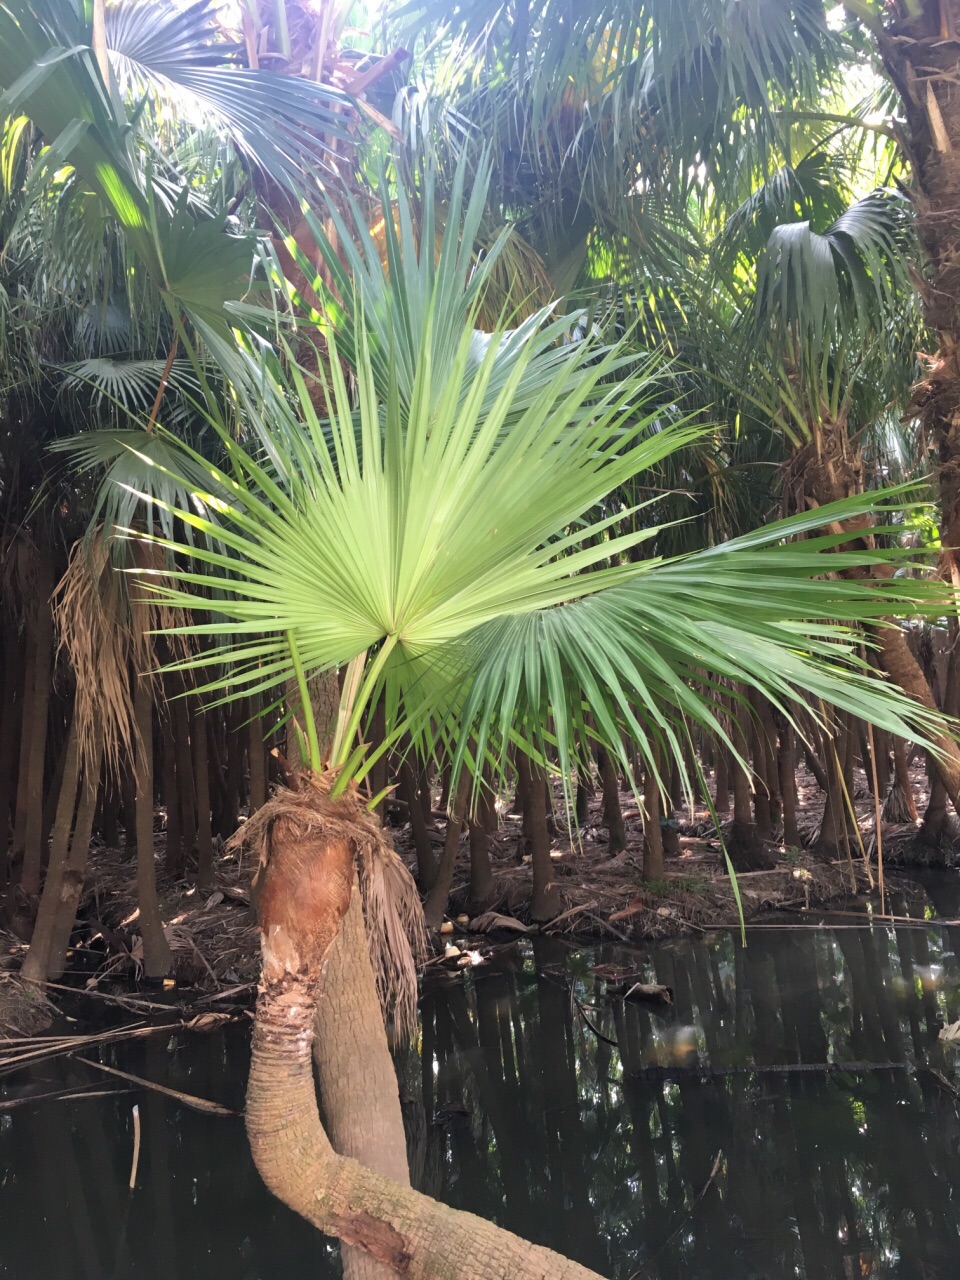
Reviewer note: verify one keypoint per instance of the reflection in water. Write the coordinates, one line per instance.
(595, 1132)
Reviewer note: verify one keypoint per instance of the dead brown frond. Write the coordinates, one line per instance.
(105, 620)
(396, 934)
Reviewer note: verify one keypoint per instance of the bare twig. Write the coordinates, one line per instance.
(136, 1146)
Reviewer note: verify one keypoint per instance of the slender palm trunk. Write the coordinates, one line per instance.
(37, 960)
(75, 867)
(483, 888)
(201, 766)
(37, 713)
(439, 895)
(349, 1029)
(652, 831)
(612, 812)
(157, 957)
(257, 757)
(427, 864)
(545, 899)
(787, 766)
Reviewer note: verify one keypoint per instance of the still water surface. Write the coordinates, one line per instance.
(682, 1150)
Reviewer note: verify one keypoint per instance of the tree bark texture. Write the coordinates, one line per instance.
(37, 959)
(349, 1030)
(36, 712)
(437, 899)
(545, 898)
(157, 957)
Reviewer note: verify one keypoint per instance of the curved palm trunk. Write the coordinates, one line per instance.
(306, 893)
(365, 1123)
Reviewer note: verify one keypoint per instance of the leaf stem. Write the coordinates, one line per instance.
(356, 698)
(313, 741)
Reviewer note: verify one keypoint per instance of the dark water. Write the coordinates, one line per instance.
(638, 1157)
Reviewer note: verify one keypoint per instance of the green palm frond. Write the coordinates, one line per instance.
(460, 564)
(281, 125)
(138, 465)
(407, 286)
(634, 655)
(189, 253)
(855, 271)
(129, 386)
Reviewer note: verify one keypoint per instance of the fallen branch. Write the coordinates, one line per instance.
(188, 1099)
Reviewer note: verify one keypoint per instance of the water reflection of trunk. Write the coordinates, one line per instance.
(921, 952)
(761, 982)
(872, 1005)
(795, 966)
(65, 1197)
(908, 970)
(639, 1097)
(156, 1178)
(696, 1119)
(498, 1103)
(566, 1150)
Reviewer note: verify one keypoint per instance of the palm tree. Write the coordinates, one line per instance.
(432, 537)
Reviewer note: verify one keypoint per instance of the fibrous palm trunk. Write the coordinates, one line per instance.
(36, 710)
(306, 893)
(157, 957)
(349, 1029)
(37, 959)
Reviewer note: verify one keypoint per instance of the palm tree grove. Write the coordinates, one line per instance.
(479, 639)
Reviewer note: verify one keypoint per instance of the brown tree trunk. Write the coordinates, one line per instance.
(920, 47)
(128, 790)
(427, 864)
(721, 782)
(900, 804)
(173, 850)
(652, 831)
(787, 766)
(745, 846)
(257, 757)
(75, 867)
(157, 957)
(303, 901)
(206, 877)
(584, 794)
(769, 729)
(186, 790)
(349, 1029)
(37, 959)
(435, 906)
(37, 713)
(834, 837)
(612, 812)
(939, 826)
(483, 888)
(545, 898)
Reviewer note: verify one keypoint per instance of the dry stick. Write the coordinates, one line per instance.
(164, 377)
(136, 1146)
(188, 1099)
(596, 1031)
(876, 810)
(61, 1095)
